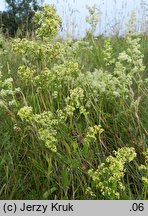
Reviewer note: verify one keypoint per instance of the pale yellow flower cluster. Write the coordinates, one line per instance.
(108, 178)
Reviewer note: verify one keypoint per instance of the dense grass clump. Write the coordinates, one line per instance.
(73, 115)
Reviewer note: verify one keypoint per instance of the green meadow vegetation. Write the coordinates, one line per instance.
(73, 114)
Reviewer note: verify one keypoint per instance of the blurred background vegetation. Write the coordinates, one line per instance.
(18, 17)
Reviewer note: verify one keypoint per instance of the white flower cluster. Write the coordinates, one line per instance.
(8, 93)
